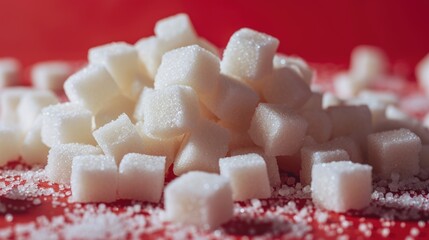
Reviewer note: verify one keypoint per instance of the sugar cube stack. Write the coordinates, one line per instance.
(199, 198)
(341, 186)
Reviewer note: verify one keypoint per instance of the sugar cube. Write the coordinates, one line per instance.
(84, 87)
(204, 43)
(60, 157)
(239, 138)
(292, 164)
(141, 177)
(112, 108)
(341, 186)
(118, 138)
(424, 157)
(171, 111)
(270, 162)
(348, 144)
(296, 63)
(422, 74)
(197, 68)
(367, 62)
(285, 86)
(319, 124)
(9, 72)
(346, 86)
(150, 51)
(200, 152)
(395, 151)
(50, 75)
(9, 144)
(270, 122)
(33, 150)
(248, 176)
(176, 30)
(316, 154)
(66, 123)
(94, 178)
(249, 56)
(329, 100)
(315, 102)
(9, 101)
(199, 198)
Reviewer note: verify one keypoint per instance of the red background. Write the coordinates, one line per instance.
(319, 31)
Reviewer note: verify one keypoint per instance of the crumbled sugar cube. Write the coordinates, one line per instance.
(200, 152)
(171, 111)
(112, 108)
(395, 151)
(292, 164)
(204, 43)
(270, 122)
(59, 166)
(341, 186)
(239, 138)
(270, 162)
(66, 123)
(285, 86)
(9, 101)
(31, 105)
(199, 198)
(249, 55)
(247, 175)
(150, 51)
(9, 144)
(346, 86)
(50, 75)
(94, 178)
(176, 31)
(353, 121)
(424, 157)
(348, 144)
(233, 102)
(296, 63)
(118, 138)
(422, 74)
(159, 146)
(319, 124)
(91, 87)
(197, 68)
(33, 150)
(367, 62)
(329, 100)
(314, 102)
(9, 72)
(121, 60)
(144, 171)
(317, 154)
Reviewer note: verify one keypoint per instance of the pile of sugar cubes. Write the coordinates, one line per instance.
(225, 125)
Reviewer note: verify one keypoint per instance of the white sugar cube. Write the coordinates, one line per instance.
(248, 176)
(395, 151)
(94, 178)
(141, 177)
(204, 43)
(60, 158)
(341, 186)
(9, 72)
(197, 68)
(319, 124)
(377, 108)
(296, 63)
(239, 138)
(422, 74)
(270, 162)
(367, 62)
(269, 125)
(118, 138)
(330, 100)
(9, 144)
(346, 86)
(50, 75)
(249, 55)
(33, 150)
(150, 51)
(424, 157)
(9, 101)
(316, 154)
(199, 198)
(233, 102)
(121, 61)
(176, 30)
(348, 144)
(353, 121)
(285, 86)
(112, 108)
(31, 106)
(166, 147)
(66, 123)
(171, 111)
(91, 87)
(292, 164)
(202, 148)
